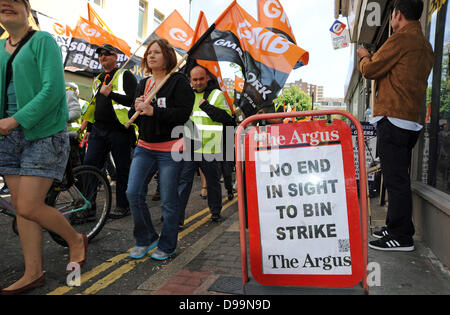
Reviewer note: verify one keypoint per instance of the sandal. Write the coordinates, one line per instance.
(204, 195)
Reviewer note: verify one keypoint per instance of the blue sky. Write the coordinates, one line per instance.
(310, 21)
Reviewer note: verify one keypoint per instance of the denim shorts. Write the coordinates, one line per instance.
(46, 157)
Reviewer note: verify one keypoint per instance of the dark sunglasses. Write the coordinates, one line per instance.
(105, 53)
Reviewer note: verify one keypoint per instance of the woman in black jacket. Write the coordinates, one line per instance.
(157, 149)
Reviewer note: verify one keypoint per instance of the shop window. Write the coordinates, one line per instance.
(443, 147)
(436, 152)
(427, 126)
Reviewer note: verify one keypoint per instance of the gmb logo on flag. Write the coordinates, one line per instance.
(337, 28)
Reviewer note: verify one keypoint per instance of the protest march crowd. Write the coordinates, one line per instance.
(177, 110)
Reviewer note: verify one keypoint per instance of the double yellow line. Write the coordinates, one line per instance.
(122, 270)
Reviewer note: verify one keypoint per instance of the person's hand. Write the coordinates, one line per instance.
(145, 109)
(138, 101)
(201, 102)
(106, 89)
(86, 136)
(83, 126)
(363, 52)
(7, 126)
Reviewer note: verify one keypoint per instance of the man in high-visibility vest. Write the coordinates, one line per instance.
(206, 125)
(107, 113)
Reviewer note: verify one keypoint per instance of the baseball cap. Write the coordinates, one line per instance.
(107, 47)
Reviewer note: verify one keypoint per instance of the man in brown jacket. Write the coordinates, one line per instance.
(400, 69)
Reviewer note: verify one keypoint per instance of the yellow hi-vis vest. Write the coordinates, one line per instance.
(210, 131)
(117, 87)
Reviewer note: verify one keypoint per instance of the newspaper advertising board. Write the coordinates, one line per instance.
(303, 212)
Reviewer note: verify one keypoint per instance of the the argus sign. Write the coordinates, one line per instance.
(304, 225)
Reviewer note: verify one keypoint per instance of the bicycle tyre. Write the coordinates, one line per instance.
(63, 200)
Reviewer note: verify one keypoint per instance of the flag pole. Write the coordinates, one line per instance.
(160, 85)
(129, 59)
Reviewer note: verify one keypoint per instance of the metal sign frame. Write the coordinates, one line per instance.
(310, 280)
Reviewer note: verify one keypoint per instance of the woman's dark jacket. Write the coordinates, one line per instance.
(172, 107)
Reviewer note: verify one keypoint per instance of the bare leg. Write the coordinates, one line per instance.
(28, 196)
(30, 238)
(203, 178)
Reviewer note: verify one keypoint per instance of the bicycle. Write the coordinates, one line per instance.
(83, 197)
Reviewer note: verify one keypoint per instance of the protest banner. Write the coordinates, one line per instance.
(61, 32)
(86, 38)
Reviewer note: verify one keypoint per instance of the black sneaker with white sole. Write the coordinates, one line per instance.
(381, 233)
(388, 243)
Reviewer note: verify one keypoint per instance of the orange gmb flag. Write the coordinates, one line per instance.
(273, 17)
(263, 45)
(266, 58)
(86, 38)
(238, 88)
(212, 66)
(176, 30)
(95, 35)
(96, 19)
(238, 84)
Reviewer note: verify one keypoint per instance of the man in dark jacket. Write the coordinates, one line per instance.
(113, 94)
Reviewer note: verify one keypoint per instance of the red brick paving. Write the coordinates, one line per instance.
(184, 283)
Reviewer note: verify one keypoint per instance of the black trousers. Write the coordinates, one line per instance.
(395, 147)
(226, 167)
(119, 142)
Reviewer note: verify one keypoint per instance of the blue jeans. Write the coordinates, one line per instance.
(211, 171)
(143, 167)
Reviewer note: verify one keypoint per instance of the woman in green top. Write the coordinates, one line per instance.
(34, 144)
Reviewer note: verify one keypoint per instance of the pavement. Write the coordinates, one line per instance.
(212, 266)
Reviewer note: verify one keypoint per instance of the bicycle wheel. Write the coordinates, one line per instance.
(85, 204)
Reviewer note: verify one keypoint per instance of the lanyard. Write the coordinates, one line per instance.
(149, 88)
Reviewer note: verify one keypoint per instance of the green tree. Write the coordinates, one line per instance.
(294, 97)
